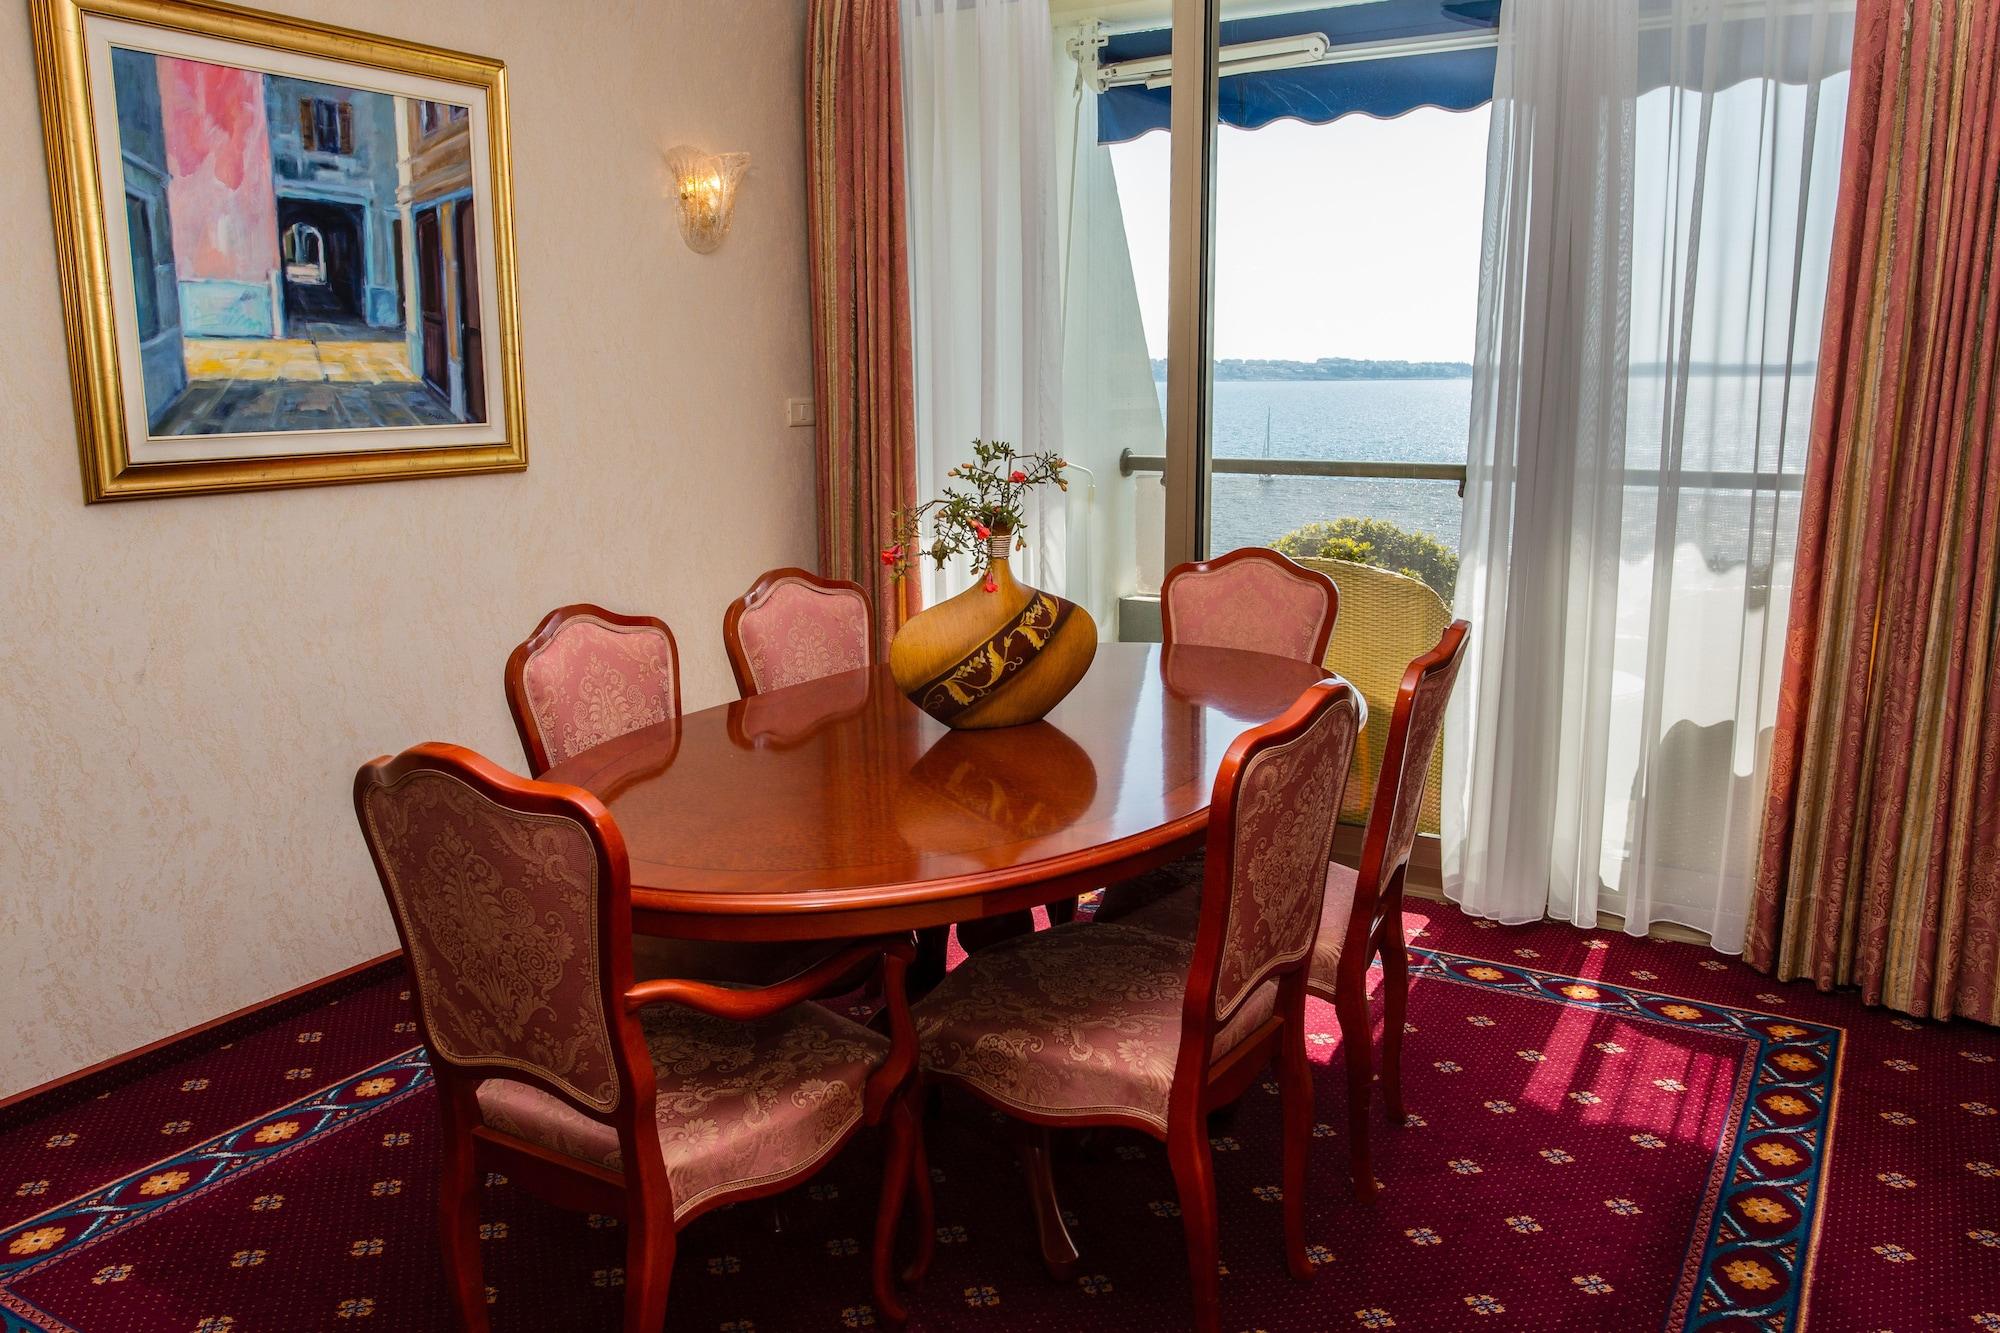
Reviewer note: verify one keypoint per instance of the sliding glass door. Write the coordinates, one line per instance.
(1350, 157)
(1349, 168)
(1268, 322)
(1323, 235)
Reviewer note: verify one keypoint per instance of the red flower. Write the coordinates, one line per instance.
(990, 585)
(981, 531)
(1017, 476)
(891, 554)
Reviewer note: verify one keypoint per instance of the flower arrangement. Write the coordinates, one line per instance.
(984, 504)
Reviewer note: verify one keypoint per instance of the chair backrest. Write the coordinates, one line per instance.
(587, 676)
(512, 899)
(1386, 618)
(1254, 599)
(1270, 837)
(1414, 729)
(794, 626)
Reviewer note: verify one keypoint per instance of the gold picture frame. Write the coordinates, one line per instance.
(383, 340)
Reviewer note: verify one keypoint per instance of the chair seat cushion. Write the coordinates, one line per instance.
(1081, 1020)
(1325, 968)
(1164, 903)
(738, 1104)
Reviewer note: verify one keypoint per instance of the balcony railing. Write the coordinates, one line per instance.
(1130, 464)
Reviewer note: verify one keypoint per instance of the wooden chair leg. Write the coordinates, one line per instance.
(1031, 1145)
(1351, 1006)
(1395, 1006)
(1194, 1181)
(649, 1262)
(896, 1169)
(920, 1176)
(458, 1218)
(1296, 1096)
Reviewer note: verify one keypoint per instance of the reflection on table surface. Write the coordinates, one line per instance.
(842, 783)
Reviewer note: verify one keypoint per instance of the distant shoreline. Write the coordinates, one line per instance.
(1343, 368)
(1330, 368)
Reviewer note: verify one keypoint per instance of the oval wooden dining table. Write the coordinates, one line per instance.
(836, 808)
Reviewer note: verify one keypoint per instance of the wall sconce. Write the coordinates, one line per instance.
(705, 185)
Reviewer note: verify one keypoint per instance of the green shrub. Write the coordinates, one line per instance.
(1377, 542)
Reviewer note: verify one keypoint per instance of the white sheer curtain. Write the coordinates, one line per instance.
(1110, 402)
(1660, 185)
(984, 249)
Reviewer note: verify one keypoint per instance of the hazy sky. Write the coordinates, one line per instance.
(1358, 239)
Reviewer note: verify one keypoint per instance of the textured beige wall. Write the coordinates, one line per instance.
(187, 686)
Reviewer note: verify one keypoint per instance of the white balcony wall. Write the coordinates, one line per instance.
(1109, 402)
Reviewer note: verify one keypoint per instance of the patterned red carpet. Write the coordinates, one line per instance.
(1607, 1134)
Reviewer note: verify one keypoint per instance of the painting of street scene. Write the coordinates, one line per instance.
(304, 256)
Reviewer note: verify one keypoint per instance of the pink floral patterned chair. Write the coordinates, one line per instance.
(655, 1101)
(1363, 914)
(587, 676)
(1116, 1025)
(792, 627)
(1254, 599)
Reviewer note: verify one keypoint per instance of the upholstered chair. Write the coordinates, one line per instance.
(1254, 599)
(792, 627)
(1116, 1025)
(654, 1101)
(1386, 619)
(1363, 913)
(587, 676)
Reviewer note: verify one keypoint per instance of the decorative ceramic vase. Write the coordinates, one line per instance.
(993, 658)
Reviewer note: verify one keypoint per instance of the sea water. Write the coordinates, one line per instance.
(1729, 423)
(1405, 421)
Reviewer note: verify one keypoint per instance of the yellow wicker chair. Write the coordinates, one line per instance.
(1386, 621)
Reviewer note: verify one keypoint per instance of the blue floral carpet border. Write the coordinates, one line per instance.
(62, 1231)
(1751, 1257)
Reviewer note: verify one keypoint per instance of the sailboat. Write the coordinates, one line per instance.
(1265, 477)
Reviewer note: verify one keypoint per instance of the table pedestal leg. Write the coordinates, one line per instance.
(985, 932)
(928, 968)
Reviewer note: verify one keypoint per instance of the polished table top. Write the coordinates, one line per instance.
(838, 807)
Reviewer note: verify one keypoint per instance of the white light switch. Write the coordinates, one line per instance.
(798, 411)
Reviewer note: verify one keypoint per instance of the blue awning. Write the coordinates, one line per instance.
(1453, 80)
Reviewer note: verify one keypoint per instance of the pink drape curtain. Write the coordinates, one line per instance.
(860, 293)
(1880, 862)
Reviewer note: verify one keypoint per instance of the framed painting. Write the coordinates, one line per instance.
(286, 250)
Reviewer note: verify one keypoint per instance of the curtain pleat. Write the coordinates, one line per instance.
(985, 254)
(860, 273)
(1880, 857)
(1661, 177)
